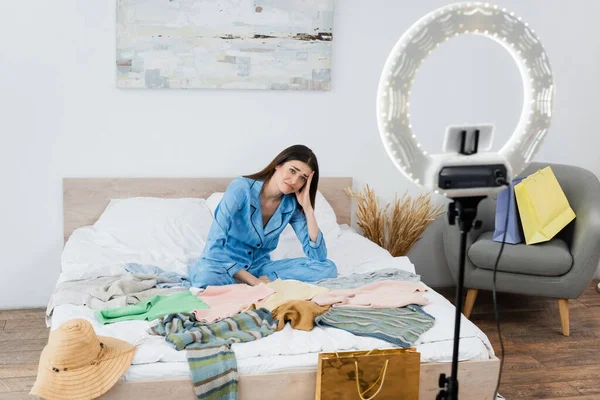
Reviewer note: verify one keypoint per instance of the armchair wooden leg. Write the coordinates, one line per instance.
(563, 308)
(470, 301)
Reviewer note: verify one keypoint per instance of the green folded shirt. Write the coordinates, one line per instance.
(155, 307)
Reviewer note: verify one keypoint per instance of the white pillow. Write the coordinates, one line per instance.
(142, 215)
(163, 232)
(326, 218)
(324, 214)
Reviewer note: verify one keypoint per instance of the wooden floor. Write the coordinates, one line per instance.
(23, 334)
(540, 363)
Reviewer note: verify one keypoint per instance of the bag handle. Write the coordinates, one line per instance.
(381, 377)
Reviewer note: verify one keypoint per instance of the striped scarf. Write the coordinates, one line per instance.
(212, 363)
(400, 326)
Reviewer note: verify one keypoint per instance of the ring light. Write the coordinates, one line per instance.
(400, 70)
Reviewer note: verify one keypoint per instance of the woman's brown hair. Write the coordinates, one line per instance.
(297, 152)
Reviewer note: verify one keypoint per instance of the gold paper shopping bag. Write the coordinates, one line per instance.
(543, 206)
(364, 375)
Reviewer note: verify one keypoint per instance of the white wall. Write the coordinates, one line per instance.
(63, 117)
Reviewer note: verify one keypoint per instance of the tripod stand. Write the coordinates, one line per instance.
(465, 208)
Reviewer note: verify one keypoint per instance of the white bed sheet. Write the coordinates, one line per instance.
(352, 253)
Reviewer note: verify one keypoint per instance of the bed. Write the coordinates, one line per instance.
(270, 366)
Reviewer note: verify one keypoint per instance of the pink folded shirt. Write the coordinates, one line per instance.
(228, 300)
(382, 294)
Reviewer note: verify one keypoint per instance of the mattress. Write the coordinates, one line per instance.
(292, 349)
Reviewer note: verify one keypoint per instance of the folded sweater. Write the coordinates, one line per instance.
(356, 280)
(400, 326)
(155, 307)
(228, 300)
(289, 289)
(381, 294)
(300, 313)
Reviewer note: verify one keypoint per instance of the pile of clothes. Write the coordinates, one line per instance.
(385, 304)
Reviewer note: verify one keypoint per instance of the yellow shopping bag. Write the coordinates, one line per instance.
(391, 374)
(543, 206)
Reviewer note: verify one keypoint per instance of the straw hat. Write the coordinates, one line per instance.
(77, 364)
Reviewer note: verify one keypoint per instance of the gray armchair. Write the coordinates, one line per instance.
(561, 268)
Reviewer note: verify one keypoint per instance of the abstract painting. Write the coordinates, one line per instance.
(225, 44)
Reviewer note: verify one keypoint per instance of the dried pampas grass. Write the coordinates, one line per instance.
(398, 226)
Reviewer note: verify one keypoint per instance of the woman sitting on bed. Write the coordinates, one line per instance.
(255, 209)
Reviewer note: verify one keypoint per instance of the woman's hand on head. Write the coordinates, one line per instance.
(303, 197)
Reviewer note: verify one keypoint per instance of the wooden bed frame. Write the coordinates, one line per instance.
(84, 201)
